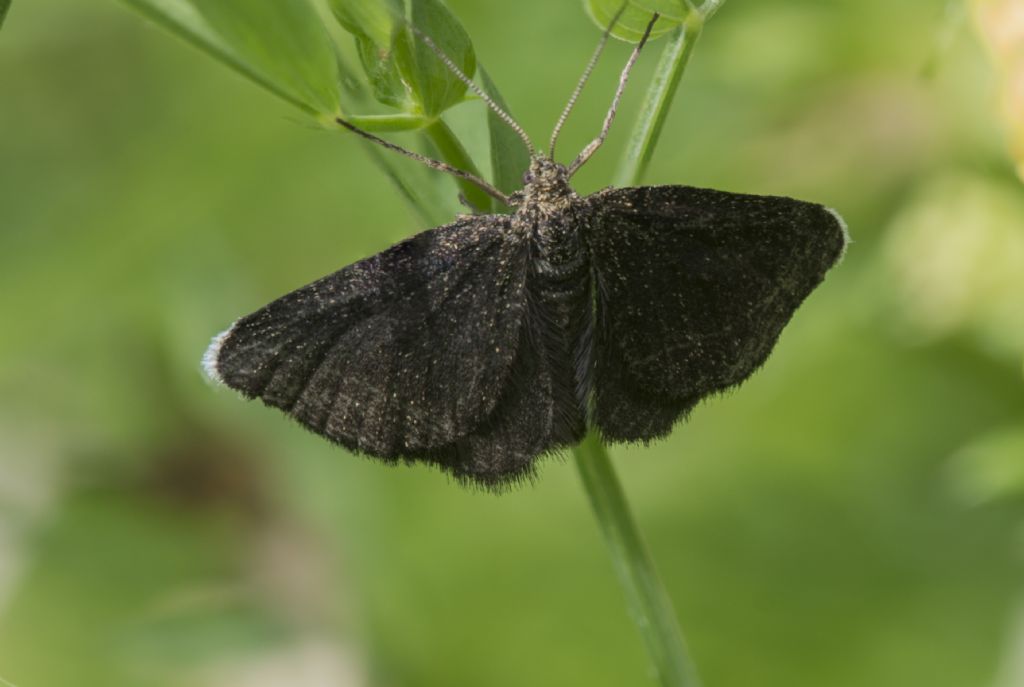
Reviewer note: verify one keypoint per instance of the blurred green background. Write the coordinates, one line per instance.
(852, 517)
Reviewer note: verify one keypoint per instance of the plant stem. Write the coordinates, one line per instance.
(654, 110)
(710, 7)
(649, 603)
(388, 122)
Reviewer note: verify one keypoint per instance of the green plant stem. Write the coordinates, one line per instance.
(649, 603)
(657, 102)
(451, 151)
(710, 7)
(388, 122)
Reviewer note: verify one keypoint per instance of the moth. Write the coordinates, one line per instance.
(482, 345)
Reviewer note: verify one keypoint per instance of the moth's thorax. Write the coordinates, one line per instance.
(545, 208)
(546, 190)
(548, 211)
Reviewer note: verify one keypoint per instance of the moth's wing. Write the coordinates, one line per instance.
(528, 421)
(693, 287)
(403, 355)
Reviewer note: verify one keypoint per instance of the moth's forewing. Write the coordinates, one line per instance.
(402, 355)
(693, 287)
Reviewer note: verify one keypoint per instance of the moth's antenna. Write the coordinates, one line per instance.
(596, 143)
(429, 162)
(583, 80)
(505, 116)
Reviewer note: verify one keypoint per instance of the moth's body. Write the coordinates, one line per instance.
(559, 288)
(481, 345)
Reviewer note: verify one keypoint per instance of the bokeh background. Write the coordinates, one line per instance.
(852, 517)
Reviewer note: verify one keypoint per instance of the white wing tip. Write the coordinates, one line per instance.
(211, 355)
(845, 228)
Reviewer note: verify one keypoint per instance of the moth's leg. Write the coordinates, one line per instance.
(465, 202)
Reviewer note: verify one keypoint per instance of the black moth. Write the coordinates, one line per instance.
(481, 345)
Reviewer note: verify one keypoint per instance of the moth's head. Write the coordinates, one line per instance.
(546, 179)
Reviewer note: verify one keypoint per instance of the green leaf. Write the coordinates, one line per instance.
(509, 156)
(4, 6)
(373, 23)
(431, 83)
(182, 18)
(285, 40)
(450, 149)
(403, 71)
(374, 19)
(674, 10)
(636, 15)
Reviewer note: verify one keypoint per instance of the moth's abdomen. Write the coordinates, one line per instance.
(561, 273)
(562, 318)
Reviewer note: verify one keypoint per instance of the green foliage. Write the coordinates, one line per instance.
(964, 275)
(433, 86)
(284, 40)
(5, 5)
(373, 25)
(407, 74)
(281, 46)
(285, 48)
(372, 21)
(991, 467)
(403, 71)
(509, 157)
(656, 104)
(636, 15)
